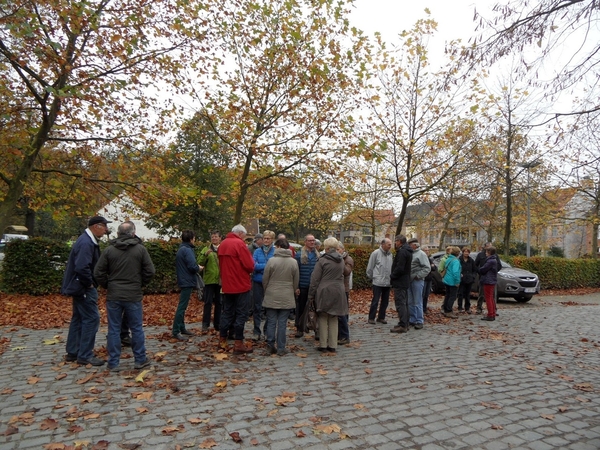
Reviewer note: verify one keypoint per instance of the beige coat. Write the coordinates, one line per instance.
(327, 285)
(280, 280)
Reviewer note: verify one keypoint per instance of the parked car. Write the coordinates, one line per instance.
(513, 282)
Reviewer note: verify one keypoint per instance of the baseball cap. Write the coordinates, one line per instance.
(98, 219)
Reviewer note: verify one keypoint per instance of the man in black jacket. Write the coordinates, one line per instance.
(123, 268)
(400, 279)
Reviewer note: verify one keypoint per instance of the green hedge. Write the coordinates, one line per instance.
(562, 273)
(36, 266)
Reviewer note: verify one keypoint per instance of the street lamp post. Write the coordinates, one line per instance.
(529, 165)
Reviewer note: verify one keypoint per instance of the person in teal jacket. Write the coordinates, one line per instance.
(451, 281)
(212, 280)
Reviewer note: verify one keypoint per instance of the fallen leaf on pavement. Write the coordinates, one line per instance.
(197, 420)
(48, 424)
(100, 445)
(254, 441)
(497, 427)
(236, 437)
(28, 396)
(33, 380)
(300, 434)
(140, 377)
(208, 443)
(548, 416)
(10, 430)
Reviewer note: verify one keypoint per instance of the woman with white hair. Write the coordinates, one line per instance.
(327, 289)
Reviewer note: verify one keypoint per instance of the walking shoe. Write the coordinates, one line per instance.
(460, 310)
(450, 315)
(115, 368)
(256, 338)
(469, 311)
(142, 364)
(93, 361)
(330, 349)
(187, 333)
(180, 337)
(488, 318)
(282, 352)
(126, 341)
(479, 311)
(70, 358)
(398, 329)
(371, 321)
(418, 326)
(240, 348)
(411, 324)
(383, 321)
(299, 334)
(271, 350)
(343, 341)
(292, 317)
(322, 349)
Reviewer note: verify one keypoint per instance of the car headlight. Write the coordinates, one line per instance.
(506, 275)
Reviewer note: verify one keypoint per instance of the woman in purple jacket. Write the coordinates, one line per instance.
(489, 278)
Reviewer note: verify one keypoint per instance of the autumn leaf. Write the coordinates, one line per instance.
(497, 427)
(6, 391)
(88, 399)
(79, 444)
(548, 416)
(86, 379)
(586, 387)
(141, 410)
(221, 384)
(272, 412)
(60, 376)
(141, 375)
(55, 446)
(359, 406)
(10, 430)
(51, 341)
(236, 437)
(101, 445)
(197, 420)
(169, 431)
(254, 441)
(563, 408)
(300, 434)
(491, 405)
(328, 429)
(91, 416)
(220, 356)
(142, 395)
(33, 380)
(322, 372)
(237, 382)
(368, 371)
(208, 443)
(28, 396)
(301, 355)
(48, 424)
(74, 429)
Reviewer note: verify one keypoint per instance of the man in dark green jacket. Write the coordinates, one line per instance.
(123, 268)
(212, 291)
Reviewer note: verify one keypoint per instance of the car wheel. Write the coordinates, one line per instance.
(524, 298)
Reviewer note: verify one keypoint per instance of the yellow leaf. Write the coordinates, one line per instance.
(197, 420)
(221, 384)
(18, 348)
(51, 341)
(220, 356)
(140, 377)
(81, 443)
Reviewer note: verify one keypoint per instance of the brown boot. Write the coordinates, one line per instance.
(239, 348)
(223, 343)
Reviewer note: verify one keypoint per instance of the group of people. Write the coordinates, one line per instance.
(409, 273)
(267, 279)
(123, 268)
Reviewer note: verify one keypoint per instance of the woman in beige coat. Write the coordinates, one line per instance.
(327, 288)
(280, 282)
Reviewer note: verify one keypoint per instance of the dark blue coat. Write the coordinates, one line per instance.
(489, 271)
(186, 266)
(306, 270)
(79, 274)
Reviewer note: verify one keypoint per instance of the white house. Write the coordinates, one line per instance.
(123, 208)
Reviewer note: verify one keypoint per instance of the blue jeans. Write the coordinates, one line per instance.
(212, 295)
(184, 300)
(84, 325)
(384, 294)
(258, 293)
(134, 313)
(235, 312)
(343, 329)
(277, 319)
(415, 301)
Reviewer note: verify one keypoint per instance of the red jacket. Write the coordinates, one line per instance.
(236, 265)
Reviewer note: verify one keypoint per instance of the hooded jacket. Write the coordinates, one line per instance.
(280, 280)
(123, 268)
(452, 267)
(327, 285)
(210, 261)
(236, 265)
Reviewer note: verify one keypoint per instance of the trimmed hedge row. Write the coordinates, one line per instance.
(36, 267)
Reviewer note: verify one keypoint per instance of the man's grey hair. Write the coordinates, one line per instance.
(401, 238)
(126, 229)
(239, 228)
(385, 241)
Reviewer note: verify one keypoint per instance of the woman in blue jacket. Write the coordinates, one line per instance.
(451, 281)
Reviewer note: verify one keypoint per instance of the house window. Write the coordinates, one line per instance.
(555, 231)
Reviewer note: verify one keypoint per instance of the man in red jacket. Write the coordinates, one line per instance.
(236, 264)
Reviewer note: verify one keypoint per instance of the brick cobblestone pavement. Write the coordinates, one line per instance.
(529, 380)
